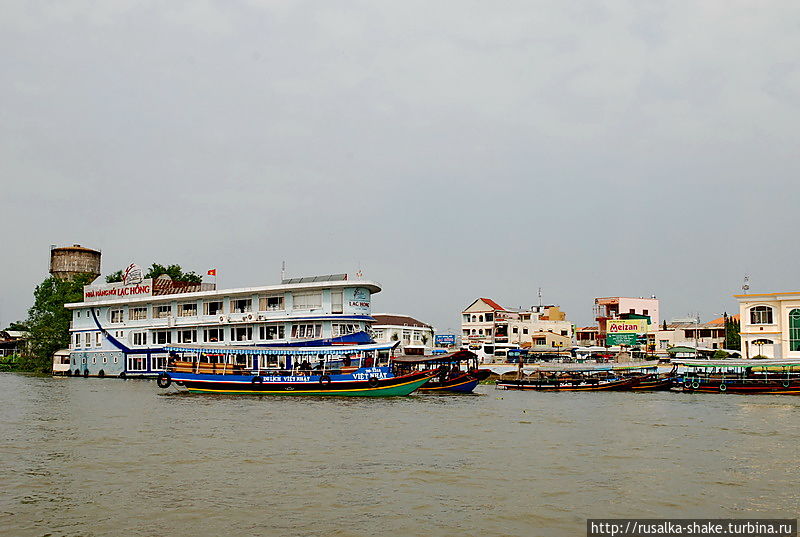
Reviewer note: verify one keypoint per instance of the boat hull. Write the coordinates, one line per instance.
(461, 384)
(309, 386)
(611, 385)
(739, 386)
(652, 383)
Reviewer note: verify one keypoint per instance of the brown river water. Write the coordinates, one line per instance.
(90, 457)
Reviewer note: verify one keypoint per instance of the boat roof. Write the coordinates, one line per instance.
(622, 366)
(253, 349)
(738, 363)
(457, 356)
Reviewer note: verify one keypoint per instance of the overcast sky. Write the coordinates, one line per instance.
(450, 150)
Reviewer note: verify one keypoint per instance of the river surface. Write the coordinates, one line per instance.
(90, 457)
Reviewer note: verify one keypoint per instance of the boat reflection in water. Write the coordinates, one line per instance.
(236, 370)
(740, 376)
(638, 376)
(456, 372)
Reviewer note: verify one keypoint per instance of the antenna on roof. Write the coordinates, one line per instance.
(283, 270)
(540, 297)
(746, 283)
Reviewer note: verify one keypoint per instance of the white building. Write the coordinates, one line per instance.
(120, 329)
(490, 330)
(415, 337)
(770, 325)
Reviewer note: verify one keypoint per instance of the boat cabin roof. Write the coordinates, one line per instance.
(458, 356)
(252, 349)
(624, 366)
(737, 363)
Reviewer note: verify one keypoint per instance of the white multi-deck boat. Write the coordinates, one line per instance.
(125, 329)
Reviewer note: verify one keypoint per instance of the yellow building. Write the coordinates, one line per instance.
(770, 325)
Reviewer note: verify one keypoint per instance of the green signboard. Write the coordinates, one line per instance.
(623, 338)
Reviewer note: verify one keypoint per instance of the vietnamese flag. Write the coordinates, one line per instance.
(212, 272)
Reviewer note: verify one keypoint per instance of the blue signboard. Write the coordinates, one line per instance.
(442, 340)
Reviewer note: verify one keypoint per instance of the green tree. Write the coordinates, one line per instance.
(733, 340)
(18, 326)
(173, 271)
(48, 320)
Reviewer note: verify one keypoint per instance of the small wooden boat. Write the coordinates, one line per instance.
(646, 376)
(739, 376)
(190, 369)
(456, 372)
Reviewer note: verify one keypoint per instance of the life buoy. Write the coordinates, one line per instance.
(687, 383)
(257, 380)
(101, 373)
(325, 380)
(373, 382)
(722, 387)
(85, 373)
(163, 380)
(695, 385)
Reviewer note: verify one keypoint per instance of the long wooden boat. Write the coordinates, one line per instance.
(455, 372)
(192, 368)
(637, 376)
(739, 376)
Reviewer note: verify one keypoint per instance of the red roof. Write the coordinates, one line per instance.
(721, 320)
(492, 304)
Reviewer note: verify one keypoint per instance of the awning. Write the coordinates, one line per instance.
(458, 356)
(252, 349)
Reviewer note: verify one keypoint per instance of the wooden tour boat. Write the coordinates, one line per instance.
(236, 370)
(639, 376)
(456, 372)
(740, 376)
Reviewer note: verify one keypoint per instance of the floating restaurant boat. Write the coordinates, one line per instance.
(592, 377)
(456, 372)
(740, 376)
(250, 370)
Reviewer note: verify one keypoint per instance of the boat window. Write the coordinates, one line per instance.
(307, 301)
(306, 331)
(213, 335)
(270, 303)
(187, 336)
(137, 314)
(162, 337)
(162, 312)
(761, 315)
(212, 308)
(337, 301)
(242, 305)
(188, 309)
(341, 329)
(116, 316)
(271, 332)
(139, 338)
(242, 333)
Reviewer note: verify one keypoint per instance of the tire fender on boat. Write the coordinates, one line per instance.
(85, 373)
(257, 380)
(722, 387)
(101, 373)
(163, 380)
(373, 382)
(123, 375)
(77, 372)
(695, 385)
(325, 379)
(786, 383)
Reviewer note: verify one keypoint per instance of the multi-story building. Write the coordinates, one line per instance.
(770, 325)
(414, 337)
(120, 329)
(688, 333)
(620, 307)
(490, 330)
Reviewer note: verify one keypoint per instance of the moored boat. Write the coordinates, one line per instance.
(221, 369)
(638, 376)
(739, 376)
(456, 372)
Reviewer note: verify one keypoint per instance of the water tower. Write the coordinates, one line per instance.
(68, 261)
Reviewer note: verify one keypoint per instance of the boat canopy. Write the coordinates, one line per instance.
(623, 366)
(458, 356)
(252, 349)
(736, 363)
